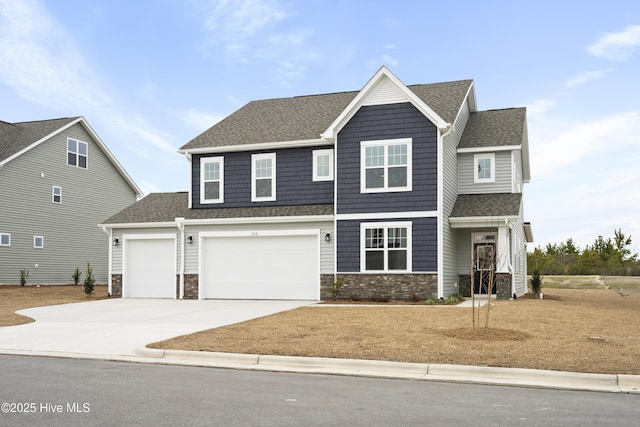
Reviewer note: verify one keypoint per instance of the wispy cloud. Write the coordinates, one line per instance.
(200, 120)
(617, 46)
(586, 77)
(539, 106)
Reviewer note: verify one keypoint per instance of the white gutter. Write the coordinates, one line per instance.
(109, 269)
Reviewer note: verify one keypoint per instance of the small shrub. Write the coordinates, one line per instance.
(415, 297)
(380, 298)
(450, 300)
(24, 275)
(353, 297)
(89, 281)
(335, 288)
(536, 282)
(76, 276)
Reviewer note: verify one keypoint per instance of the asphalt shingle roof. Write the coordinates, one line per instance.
(307, 117)
(479, 205)
(15, 137)
(166, 207)
(494, 128)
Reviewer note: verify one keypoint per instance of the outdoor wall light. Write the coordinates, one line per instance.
(327, 237)
(116, 242)
(190, 240)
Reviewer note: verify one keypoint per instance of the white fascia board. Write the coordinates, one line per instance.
(480, 221)
(386, 215)
(258, 146)
(142, 225)
(352, 108)
(526, 166)
(489, 149)
(259, 220)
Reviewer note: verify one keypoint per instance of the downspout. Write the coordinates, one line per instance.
(109, 269)
(180, 224)
(440, 188)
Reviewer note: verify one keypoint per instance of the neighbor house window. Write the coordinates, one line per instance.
(323, 165)
(5, 239)
(385, 247)
(385, 165)
(485, 169)
(77, 153)
(263, 177)
(56, 194)
(38, 242)
(212, 180)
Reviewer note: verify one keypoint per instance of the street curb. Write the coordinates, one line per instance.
(518, 377)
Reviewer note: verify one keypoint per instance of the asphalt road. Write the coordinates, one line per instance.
(48, 391)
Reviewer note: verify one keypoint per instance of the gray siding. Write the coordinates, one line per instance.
(387, 122)
(71, 235)
(502, 184)
(294, 180)
(424, 244)
(450, 193)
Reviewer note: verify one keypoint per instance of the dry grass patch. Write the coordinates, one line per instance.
(555, 333)
(13, 298)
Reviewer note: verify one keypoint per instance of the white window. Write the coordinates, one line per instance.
(484, 168)
(385, 165)
(5, 239)
(77, 153)
(56, 194)
(212, 180)
(263, 177)
(385, 247)
(38, 242)
(323, 165)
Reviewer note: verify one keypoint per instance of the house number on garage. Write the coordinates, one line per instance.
(254, 233)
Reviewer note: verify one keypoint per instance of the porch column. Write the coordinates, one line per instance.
(503, 260)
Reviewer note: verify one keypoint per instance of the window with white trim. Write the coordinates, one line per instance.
(38, 242)
(323, 165)
(212, 180)
(263, 177)
(56, 194)
(385, 247)
(77, 153)
(385, 165)
(5, 239)
(484, 168)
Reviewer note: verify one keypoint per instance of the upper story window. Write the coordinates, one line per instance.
(38, 242)
(385, 165)
(77, 153)
(56, 194)
(5, 239)
(385, 247)
(212, 180)
(323, 165)
(484, 168)
(263, 177)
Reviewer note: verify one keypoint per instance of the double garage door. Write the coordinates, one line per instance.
(263, 265)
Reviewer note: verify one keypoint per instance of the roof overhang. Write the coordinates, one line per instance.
(480, 221)
(358, 101)
(179, 222)
(256, 147)
(528, 232)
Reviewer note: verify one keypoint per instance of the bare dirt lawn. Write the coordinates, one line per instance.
(14, 298)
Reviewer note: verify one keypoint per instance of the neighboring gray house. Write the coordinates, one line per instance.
(58, 180)
(402, 191)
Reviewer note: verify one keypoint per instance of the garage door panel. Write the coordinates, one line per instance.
(265, 267)
(149, 268)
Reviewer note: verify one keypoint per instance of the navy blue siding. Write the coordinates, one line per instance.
(424, 244)
(294, 180)
(387, 122)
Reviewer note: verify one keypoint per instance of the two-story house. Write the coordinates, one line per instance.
(402, 192)
(58, 180)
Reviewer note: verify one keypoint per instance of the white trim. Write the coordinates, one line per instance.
(254, 159)
(489, 149)
(8, 235)
(386, 215)
(386, 226)
(492, 169)
(319, 153)
(260, 233)
(139, 225)
(220, 161)
(35, 238)
(53, 194)
(190, 179)
(258, 146)
(480, 221)
(385, 143)
(77, 153)
(440, 212)
(218, 221)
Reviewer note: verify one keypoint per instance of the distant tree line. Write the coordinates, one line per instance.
(607, 257)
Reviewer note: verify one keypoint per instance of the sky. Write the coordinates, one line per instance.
(150, 75)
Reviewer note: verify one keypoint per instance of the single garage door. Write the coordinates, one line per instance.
(149, 268)
(260, 267)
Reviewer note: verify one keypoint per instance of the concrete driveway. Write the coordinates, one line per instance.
(116, 327)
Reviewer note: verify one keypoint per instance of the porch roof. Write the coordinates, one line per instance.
(487, 205)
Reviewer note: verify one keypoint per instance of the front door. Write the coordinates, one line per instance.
(484, 267)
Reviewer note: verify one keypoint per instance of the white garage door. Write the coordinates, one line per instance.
(260, 267)
(149, 268)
